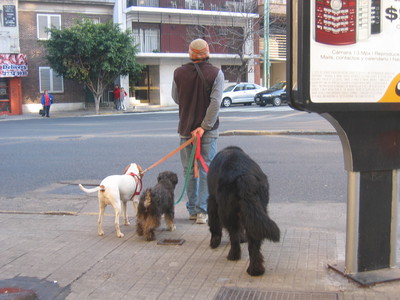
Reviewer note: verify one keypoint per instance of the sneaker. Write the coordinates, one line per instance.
(201, 218)
(193, 217)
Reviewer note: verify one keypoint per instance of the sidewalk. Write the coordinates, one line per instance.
(50, 246)
(91, 112)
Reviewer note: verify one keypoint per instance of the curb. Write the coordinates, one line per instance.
(277, 132)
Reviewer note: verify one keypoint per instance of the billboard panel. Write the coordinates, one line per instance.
(354, 51)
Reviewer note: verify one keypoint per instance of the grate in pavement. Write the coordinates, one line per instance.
(171, 242)
(234, 293)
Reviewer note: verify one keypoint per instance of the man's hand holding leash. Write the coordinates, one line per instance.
(198, 131)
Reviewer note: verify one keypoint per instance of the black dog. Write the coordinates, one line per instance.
(154, 202)
(239, 195)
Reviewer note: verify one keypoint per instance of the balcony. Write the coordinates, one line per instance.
(146, 3)
(221, 6)
(276, 7)
(181, 15)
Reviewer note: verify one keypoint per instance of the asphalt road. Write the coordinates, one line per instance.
(37, 153)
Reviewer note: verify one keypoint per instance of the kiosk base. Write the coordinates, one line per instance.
(370, 277)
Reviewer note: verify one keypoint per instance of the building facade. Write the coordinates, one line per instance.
(13, 63)
(162, 31)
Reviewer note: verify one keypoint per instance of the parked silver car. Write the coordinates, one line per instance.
(241, 93)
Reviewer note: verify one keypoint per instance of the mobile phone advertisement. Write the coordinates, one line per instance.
(355, 51)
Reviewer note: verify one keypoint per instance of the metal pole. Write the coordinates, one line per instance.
(266, 80)
(353, 194)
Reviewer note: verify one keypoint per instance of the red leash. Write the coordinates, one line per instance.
(199, 157)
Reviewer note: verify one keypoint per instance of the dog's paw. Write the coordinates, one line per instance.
(150, 237)
(215, 241)
(234, 254)
(139, 229)
(101, 233)
(255, 271)
(120, 235)
(126, 223)
(172, 228)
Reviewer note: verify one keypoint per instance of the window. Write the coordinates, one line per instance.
(95, 20)
(147, 39)
(250, 87)
(47, 21)
(50, 80)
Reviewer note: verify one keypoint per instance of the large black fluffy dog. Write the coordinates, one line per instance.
(155, 202)
(239, 195)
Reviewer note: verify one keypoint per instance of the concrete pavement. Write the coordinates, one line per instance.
(50, 250)
(50, 246)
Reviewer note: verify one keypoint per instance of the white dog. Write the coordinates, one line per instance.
(115, 190)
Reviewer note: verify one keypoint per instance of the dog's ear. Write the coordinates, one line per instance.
(126, 169)
(174, 179)
(160, 176)
(141, 174)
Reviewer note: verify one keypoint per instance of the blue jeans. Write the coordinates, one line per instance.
(197, 190)
(117, 103)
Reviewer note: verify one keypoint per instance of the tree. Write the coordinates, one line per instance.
(240, 36)
(94, 54)
(235, 37)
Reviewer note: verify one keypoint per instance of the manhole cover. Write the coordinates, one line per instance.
(11, 293)
(233, 293)
(170, 242)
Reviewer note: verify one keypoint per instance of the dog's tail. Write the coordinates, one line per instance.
(96, 189)
(253, 202)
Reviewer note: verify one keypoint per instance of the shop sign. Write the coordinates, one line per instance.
(9, 16)
(13, 65)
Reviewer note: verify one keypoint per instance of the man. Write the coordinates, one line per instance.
(198, 94)
(47, 100)
(117, 94)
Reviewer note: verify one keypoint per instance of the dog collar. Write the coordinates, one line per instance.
(137, 189)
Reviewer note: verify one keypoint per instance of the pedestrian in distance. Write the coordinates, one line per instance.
(197, 89)
(122, 98)
(117, 95)
(47, 100)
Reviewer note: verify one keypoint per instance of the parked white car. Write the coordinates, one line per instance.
(241, 93)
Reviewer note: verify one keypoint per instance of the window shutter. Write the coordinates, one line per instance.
(55, 21)
(44, 74)
(41, 27)
(50, 80)
(57, 83)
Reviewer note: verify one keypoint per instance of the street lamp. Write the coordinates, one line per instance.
(266, 44)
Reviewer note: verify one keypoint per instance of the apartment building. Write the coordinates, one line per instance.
(162, 30)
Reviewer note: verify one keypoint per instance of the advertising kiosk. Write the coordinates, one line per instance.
(344, 64)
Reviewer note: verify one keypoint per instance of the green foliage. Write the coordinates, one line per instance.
(95, 54)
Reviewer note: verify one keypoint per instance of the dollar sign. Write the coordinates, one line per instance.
(391, 14)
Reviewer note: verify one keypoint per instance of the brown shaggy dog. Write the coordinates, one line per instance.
(155, 202)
